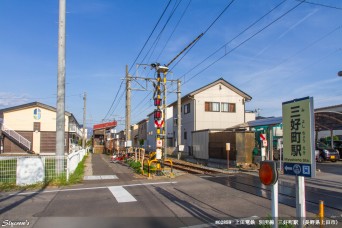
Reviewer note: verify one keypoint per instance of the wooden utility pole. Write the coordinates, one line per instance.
(128, 105)
(84, 120)
(60, 109)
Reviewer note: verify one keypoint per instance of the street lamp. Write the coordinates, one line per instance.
(339, 73)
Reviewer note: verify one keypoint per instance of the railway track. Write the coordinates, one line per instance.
(251, 184)
(192, 168)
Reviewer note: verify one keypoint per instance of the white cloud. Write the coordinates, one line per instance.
(10, 99)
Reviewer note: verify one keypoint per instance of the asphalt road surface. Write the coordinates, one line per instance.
(113, 196)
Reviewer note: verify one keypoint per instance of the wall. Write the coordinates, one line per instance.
(212, 120)
(22, 120)
(188, 124)
(200, 144)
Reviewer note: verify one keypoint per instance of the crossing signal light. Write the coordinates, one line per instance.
(157, 114)
(157, 101)
(268, 172)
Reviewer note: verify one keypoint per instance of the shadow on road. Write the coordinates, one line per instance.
(195, 211)
(22, 200)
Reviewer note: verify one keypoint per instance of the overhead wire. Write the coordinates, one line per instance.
(231, 40)
(209, 27)
(155, 43)
(320, 4)
(173, 31)
(161, 16)
(243, 42)
(291, 57)
(139, 54)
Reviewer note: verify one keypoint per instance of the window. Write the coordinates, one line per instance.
(187, 108)
(212, 106)
(185, 135)
(228, 107)
(36, 126)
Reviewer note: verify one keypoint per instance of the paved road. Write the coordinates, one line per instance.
(117, 197)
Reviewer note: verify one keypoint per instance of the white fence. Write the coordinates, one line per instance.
(26, 170)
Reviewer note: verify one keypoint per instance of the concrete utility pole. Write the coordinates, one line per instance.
(60, 113)
(84, 120)
(179, 116)
(165, 117)
(128, 105)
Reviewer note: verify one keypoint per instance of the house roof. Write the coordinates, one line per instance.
(35, 104)
(218, 81)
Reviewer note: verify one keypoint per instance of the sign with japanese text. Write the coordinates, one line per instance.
(298, 141)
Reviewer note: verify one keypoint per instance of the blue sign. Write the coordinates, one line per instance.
(297, 169)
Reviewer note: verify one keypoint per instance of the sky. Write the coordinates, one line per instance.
(274, 51)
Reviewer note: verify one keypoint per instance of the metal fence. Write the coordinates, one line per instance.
(31, 169)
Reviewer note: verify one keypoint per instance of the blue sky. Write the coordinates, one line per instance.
(292, 52)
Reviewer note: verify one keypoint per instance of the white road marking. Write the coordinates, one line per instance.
(102, 177)
(93, 188)
(121, 194)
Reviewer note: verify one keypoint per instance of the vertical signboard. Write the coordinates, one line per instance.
(298, 136)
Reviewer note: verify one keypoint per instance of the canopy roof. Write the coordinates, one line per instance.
(324, 120)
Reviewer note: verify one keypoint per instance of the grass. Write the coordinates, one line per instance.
(50, 177)
(136, 166)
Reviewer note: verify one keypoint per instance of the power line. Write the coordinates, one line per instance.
(208, 28)
(149, 36)
(138, 56)
(186, 8)
(242, 32)
(246, 40)
(113, 100)
(224, 10)
(319, 4)
(155, 43)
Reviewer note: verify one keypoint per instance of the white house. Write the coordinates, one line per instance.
(218, 105)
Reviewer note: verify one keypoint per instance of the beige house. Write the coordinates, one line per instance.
(32, 128)
(218, 105)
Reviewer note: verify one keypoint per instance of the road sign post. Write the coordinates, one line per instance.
(298, 144)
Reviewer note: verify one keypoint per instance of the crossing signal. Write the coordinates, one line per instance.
(268, 172)
(157, 102)
(157, 114)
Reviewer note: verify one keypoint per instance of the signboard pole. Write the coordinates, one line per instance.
(299, 147)
(274, 206)
(300, 200)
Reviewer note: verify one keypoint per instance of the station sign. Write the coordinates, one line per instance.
(298, 137)
(297, 169)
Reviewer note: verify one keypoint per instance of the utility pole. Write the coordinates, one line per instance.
(84, 120)
(128, 105)
(60, 112)
(165, 117)
(179, 116)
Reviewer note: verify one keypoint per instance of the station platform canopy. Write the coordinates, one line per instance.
(324, 120)
(328, 120)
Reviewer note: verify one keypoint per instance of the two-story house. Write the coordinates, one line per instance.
(218, 105)
(32, 128)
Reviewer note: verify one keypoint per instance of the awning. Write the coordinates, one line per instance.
(328, 120)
